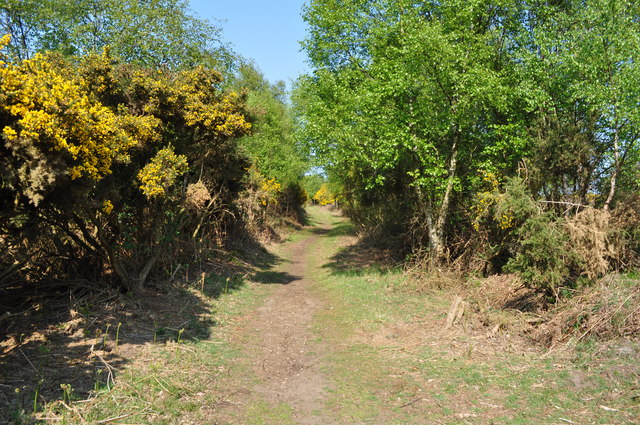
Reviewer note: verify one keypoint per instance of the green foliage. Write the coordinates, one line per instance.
(278, 160)
(312, 182)
(544, 257)
(506, 207)
(293, 196)
(517, 201)
(155, 33)
(272, 145)
(406, 104)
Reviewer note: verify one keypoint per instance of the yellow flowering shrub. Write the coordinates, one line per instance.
(493, 204)
(194, 97)
(485, 199)
(83, 137)
(324, 196)
(208, 110)
(267, 190)
(271, 188)
(159, 174)
(55, 127)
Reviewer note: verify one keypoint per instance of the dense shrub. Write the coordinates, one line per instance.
(544, 259)
(292, 197)
(97, 158)
(472, 134)
(324, 196)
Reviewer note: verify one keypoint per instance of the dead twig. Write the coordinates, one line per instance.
(29, 361)
(409, 403)
(115, 418)
(163, 387)
(109, 370)
(605, 317)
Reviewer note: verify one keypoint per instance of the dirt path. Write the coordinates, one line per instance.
(283, 351)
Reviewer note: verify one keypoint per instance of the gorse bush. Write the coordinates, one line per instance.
(549, 249)
(54, 129)
(97, 158)
(544, 257)
(324, 196)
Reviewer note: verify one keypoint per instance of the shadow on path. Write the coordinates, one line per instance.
(274, 277)
(364, 256)
(65, 333)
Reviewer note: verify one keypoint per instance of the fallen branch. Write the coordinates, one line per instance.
(29, 361)
(109, 369)
(455, 312)
(570, 204)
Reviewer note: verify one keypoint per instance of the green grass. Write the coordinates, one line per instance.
(260, 413)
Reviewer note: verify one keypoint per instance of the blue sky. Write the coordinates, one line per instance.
(268, 32)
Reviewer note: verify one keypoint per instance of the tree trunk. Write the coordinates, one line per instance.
(434, 241)
(133, 283)
(436, 231)
(616, 168)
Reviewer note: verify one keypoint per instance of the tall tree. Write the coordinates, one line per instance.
(152, 33)
(272, 146)
(404, 96)
(578, 60)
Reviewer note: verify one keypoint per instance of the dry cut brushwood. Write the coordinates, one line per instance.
(589, 231)
(608, 310)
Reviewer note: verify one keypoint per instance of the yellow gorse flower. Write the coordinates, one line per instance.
(50, 107)
(107, 207)
(163, 170)
(487, 200)
(324, 196)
